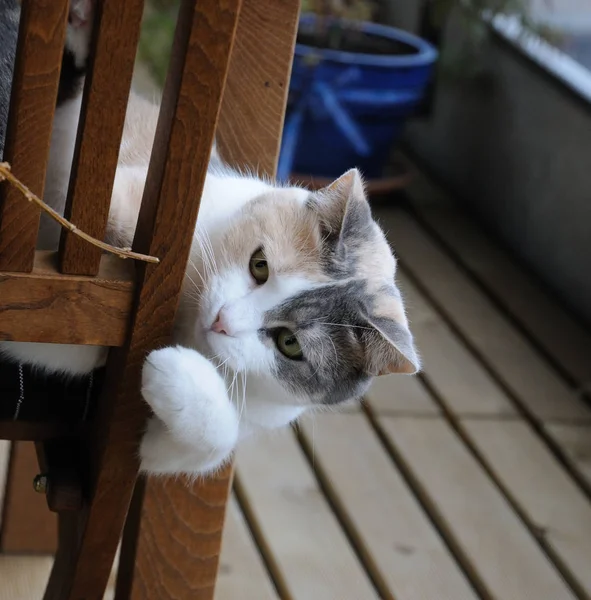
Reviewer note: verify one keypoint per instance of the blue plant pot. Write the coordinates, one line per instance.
(347, 109)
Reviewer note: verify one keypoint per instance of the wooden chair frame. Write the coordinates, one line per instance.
(173, 534)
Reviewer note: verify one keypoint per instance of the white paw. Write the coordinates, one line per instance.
(188, 395)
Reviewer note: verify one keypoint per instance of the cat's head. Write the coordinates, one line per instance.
(300, 287)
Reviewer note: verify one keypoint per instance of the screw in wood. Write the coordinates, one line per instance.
(40, 483)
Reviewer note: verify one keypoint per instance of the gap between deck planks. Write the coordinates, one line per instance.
(546, 498)
(310, 551)
(401, 547)
(564, 341)
(536, 391)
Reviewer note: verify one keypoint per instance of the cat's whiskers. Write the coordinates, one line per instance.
(336, 356)
(220, 365)
(341, 325)
(198, 272)
(243, 403)
(209, 249)
(231, 388)
(207, 253)
(319, 362)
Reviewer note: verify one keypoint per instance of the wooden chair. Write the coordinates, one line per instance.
(80, 296)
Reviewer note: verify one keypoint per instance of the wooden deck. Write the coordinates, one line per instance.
(470, 481)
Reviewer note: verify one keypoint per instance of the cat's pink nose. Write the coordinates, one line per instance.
(219, 325)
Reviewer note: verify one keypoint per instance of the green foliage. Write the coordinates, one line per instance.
(156, 37)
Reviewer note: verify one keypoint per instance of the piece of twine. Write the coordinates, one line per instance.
(6, 175)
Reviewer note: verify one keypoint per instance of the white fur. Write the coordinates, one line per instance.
(197, 425)
(201, 410)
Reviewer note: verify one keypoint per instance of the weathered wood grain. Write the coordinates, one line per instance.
(117, 26)
(34, 93)
(241, 572)
(44, 306)
(454, 371)
(184, 528)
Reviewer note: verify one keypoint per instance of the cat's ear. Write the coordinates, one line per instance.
(390, 348)
(342, 205)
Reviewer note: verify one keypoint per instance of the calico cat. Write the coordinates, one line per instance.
(289, 304)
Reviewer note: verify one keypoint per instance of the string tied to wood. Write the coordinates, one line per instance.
(7, 175)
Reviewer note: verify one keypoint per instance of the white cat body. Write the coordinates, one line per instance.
(231, 373)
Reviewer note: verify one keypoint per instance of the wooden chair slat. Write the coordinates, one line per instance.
(102, 116)
(34, 93)
(45, 306)
(188, 117)
(249, 134)
(255, 97)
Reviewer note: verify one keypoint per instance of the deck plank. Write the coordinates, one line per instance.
(396, 394)
(311, 552)
(565, 340)
(510, 563)
(241, 573)
(536, 480)
(513, 359)
(23, 577)
(541, 487)
(468, 388)
(575, 440)
(402, 544)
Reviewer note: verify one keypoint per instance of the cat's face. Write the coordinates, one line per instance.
(300, 288)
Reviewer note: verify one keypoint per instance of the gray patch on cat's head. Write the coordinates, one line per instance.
(351, 327)
(346, 224)
(342, 346)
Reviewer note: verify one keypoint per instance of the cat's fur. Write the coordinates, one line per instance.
(331, 281)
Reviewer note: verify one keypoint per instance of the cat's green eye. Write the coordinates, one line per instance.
(258, 266)
(288, 344)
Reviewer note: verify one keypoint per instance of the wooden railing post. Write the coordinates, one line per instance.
(172, 547)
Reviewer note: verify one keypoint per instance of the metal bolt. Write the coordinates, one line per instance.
(40, 483)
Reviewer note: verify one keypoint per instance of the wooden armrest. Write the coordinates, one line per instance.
(46, 306)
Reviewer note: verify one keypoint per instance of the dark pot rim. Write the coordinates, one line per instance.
(425, 54)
